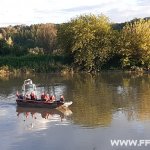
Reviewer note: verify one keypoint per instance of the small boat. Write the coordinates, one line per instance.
(42, 104)
(23, 100)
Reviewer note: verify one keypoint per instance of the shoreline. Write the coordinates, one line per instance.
(7, 71)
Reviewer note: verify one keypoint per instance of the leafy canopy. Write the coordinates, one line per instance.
(87, 39)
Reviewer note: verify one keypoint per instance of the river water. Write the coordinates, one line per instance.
(105, 107)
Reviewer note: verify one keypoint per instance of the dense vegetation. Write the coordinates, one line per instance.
(86, 43)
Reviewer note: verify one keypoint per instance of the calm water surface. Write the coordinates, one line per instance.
(105, 107)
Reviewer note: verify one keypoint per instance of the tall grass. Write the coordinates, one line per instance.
(36, 63)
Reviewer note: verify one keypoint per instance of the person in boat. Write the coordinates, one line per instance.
(62, 98)
(33, 96)
(19, 96)
(44, 97)
(47, 97)
(27, 97)
(52, 98)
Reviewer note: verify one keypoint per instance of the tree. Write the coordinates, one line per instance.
(135, 44)
(10, 41)
(3, 32)
(5, 49)
(87, 39)
(47, 37)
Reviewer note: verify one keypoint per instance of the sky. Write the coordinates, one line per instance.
(16, 12)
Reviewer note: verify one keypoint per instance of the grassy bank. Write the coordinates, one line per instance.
(43, 64)
(32, 63)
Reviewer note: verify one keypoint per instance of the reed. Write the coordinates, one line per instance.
(34, 63)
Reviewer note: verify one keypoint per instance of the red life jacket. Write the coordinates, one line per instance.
(42, 97)
(51, 97)
(33, 96)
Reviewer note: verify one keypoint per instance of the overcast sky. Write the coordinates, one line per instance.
(28, 12)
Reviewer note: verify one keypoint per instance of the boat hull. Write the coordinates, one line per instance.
(38, 104)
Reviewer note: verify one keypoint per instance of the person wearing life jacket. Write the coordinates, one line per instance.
(62, 98)
(52, 98)
(19, 96)
(42, 96)
(27, 97)
(33, 96)
(47, 97)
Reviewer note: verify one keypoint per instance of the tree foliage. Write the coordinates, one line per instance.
(89, 42)
(47, 37)
(29, 37)
(4, 48)
(87, 39)
(135, 44)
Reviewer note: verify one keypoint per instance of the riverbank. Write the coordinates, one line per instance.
(5, 71)
(33, 64)
(30, 64)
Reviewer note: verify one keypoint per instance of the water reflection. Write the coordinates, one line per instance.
(97, 98)
(39, 119)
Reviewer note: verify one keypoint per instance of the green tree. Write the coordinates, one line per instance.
(10, 41)
(87, 40)
(46, 35)
(3, 32)
(5, 48)
(134, 44)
